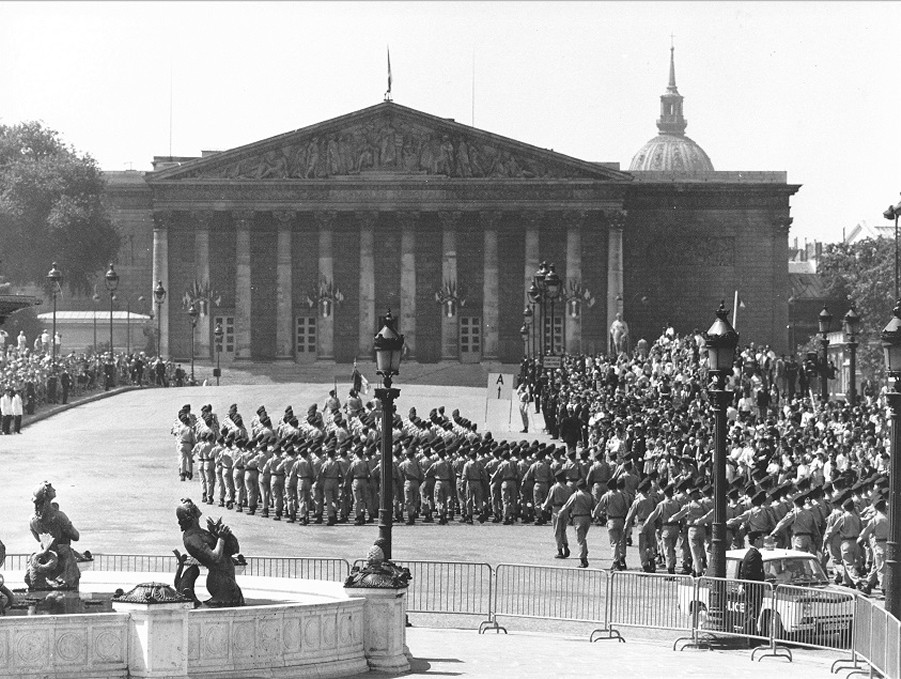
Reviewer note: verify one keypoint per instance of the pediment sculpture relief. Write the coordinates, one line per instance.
(387, 146)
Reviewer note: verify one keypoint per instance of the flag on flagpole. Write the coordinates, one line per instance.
(388, 93)
(737, 304)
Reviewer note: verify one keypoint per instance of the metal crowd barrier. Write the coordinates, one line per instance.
(548, 593)
(649, 600)
(450, 588)
(303, 567)
(149, 563)
(876, 639)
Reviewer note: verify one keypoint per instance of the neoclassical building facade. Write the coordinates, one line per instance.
(297, 244)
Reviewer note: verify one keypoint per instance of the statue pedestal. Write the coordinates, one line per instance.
(385, 630)
(157, 638)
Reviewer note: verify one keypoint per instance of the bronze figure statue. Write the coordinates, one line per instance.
(55, 565)
(212, 548)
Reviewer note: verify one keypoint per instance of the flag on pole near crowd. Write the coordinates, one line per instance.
(388, 93)
(737, 303)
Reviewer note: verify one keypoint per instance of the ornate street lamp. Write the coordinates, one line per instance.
(218, 334)
(54, 280)
(721, 340)
(528, 318)
(536, 300)
(553, 286)
(824, 321)
(891, 345)
(893, 212)
(193, 314)
(159, 294)
(389, 346)
(524, 333)
(112, 284)
(852, 323)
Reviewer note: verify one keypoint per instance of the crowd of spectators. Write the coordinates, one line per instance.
(31, 377)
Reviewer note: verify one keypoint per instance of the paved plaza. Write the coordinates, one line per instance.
(113, 463)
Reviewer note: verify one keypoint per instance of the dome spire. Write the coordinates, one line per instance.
(671, 120)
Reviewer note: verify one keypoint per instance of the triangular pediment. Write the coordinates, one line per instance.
(384, 140)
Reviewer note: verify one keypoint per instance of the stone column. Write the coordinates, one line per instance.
(573, 326)
(367, 222)
(243, 222)
(325, 221)
(450, 326)
(408, 222)
(284, 305)
(533, 257)
(490, 287)
(202, 220)
(615, 223)
(161, 222)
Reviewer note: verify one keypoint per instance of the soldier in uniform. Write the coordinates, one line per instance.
(694, 514)
(641, 509)
(277, 465)
(876, 531)
(669, 530)
(183, 432)
(224, 462)
(505, 475)
(330, 479)
(412, 475)
(805, 533)
(443, 475)
(848, 528)
(473, 475)
(612, 509)
(358, 478)
(554, 503)
(241, 476)
(579, 507)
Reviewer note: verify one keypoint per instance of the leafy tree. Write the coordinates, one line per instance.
(51, 209)
(864, 273)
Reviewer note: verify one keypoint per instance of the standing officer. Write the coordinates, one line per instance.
(579, 507)
(558, 496)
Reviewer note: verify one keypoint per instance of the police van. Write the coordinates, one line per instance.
(806, 606)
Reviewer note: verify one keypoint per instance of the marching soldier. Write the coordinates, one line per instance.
(579, 507)
(612, 509)
(554, 503)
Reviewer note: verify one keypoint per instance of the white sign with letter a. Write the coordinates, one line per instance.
(498, 401)
(500, 387)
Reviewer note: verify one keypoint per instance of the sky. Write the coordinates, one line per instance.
(810, 88)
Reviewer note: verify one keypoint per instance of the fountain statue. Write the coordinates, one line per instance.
(55, 565)
(212, 548)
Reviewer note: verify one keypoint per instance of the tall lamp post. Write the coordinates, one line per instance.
(721, 341)
(112, 284)
(218, 335)
(159, 294)
(893, 212)
(54, 280)
(824, 320)
(852, 323)
(389, 346)
(537, 299)
(524, 333)
(553, 286)
(193, 314)
(528, 316)
(891, 345)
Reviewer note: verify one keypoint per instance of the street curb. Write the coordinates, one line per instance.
(68, 406)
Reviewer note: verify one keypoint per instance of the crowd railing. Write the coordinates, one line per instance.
(772, 618)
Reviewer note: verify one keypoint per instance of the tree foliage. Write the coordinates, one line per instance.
(51, 209)
(864, 273)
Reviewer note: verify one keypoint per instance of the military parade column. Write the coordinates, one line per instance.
(450, 349)
(243, 220)
(408, 222)
(161, 221)
(284, 299)
(490, 286)
(367, 222)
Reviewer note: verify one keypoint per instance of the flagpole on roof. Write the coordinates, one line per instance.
(388, 93)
